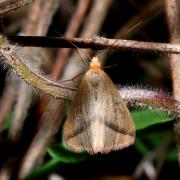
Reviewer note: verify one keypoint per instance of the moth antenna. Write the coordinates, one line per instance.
(117, 64)
(134, 27)
(75, 47)
(72, 79)
(130, 30)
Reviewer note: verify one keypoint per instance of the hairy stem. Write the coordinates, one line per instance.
(136, 97)
(10, 57)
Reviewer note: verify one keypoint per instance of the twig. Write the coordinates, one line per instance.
(9, 5)
(96, 43)
(39, 23)
(173, 19)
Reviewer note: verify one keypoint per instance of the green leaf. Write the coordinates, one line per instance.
(65, 155)
(60, 155)
(146, 118)
(149, 139)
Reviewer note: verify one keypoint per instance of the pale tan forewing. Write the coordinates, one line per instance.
(99, 120)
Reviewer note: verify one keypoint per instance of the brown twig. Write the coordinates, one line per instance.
(96, 43)
(173, 19)
(9, 5)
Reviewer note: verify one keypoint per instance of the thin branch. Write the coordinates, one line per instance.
(10, 5)
(173, 20)
(96, 43)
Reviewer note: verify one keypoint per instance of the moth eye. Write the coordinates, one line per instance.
(95, 78)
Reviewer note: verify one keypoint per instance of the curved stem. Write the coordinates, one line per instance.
(10, 57)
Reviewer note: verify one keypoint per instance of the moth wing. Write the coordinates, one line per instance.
(76, 134)
(119, 125)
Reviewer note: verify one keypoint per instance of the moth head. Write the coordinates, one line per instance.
(95, 64)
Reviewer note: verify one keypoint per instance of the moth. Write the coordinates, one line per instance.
(99, 120)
